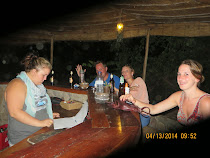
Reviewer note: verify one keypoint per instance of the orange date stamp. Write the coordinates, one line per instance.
(171, 135)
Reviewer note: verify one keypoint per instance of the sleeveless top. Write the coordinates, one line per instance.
(18, 131)
(193, 118)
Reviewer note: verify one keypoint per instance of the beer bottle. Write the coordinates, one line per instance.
(52, 78)
(71, 78)
(111, 82)
(127, 90)
(122, 86)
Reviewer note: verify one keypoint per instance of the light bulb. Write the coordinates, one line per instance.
(120, 27)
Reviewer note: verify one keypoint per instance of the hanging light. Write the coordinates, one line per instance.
(120, 27)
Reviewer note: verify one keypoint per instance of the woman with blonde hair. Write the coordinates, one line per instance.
(27, 102)
(193, 103)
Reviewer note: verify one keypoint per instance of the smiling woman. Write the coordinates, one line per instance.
(193, 103)
(196, 69)
(28, 104)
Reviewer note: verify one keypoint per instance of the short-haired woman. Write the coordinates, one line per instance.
(28, 104)
(193, 103)
(138, 90)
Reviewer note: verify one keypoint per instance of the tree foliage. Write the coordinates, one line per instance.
(165, 56)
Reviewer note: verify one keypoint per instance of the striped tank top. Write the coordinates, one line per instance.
(195, 117)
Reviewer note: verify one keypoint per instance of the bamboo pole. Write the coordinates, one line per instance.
(146, 55)
(51, 51)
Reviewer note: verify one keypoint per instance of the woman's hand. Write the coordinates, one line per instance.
(55, 114)
(128, 97)
(46, 123)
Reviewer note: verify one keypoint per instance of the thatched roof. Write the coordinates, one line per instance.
(163, 17)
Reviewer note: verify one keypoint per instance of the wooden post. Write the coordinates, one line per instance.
(51, 51)
(146, 55)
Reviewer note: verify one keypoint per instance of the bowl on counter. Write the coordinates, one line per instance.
(84, 85)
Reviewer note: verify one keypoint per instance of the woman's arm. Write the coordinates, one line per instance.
(15, 95)
(169, 103)
(205, 107)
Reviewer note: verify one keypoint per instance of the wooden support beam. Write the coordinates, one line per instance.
(146, 55)
(51, 50)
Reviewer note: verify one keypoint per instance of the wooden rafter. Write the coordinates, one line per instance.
(163, 17)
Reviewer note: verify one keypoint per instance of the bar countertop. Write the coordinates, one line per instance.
(108, 131)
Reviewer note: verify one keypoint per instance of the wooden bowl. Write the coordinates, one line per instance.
(71, 105)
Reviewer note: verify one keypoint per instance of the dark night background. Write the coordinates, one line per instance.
(165, 53)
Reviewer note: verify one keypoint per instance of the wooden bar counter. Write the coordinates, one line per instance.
(108, 131)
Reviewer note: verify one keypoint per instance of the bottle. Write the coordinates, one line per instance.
(99, 83)
(52, 78)
(71, 78)
(127, 90)
(112, 83)
(122, 86)
(82, 76)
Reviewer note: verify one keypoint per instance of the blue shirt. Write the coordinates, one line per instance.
(116, 80)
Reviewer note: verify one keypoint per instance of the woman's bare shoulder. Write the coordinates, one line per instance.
(204, 106)
(205, 101)
(176, 96)
(16, 84)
